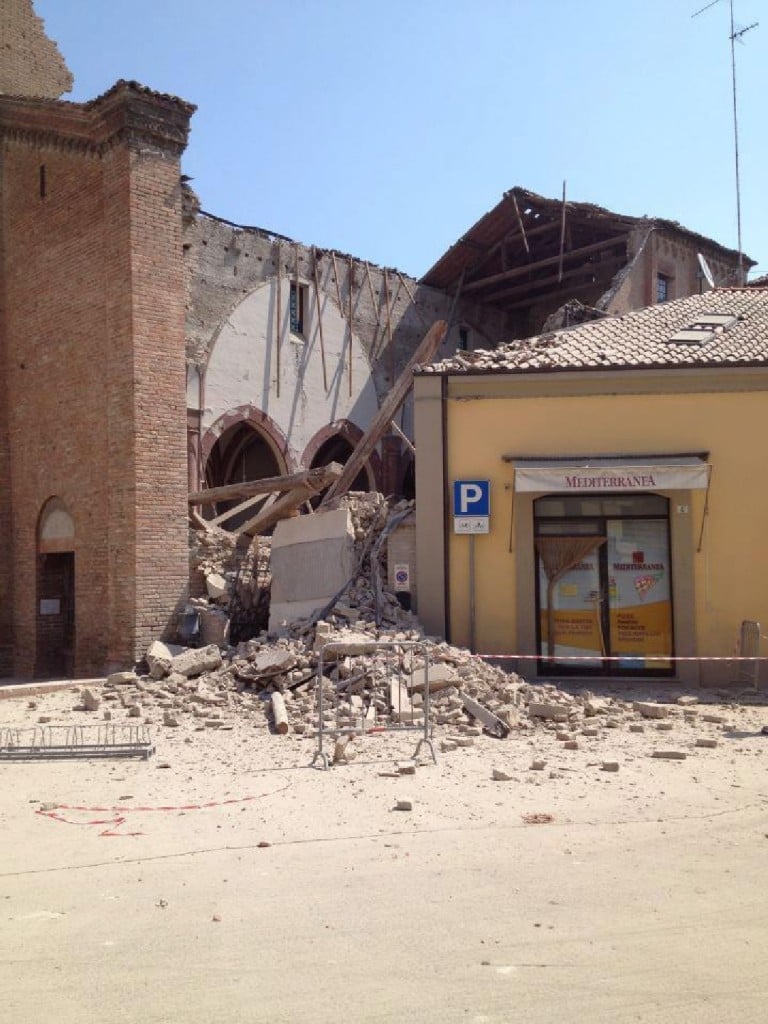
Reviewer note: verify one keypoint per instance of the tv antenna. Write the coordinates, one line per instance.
(734, 36)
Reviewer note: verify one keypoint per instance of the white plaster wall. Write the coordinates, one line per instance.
(242, 367)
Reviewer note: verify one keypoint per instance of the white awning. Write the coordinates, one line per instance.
(591, 474)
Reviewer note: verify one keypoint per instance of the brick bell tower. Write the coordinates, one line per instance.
(93, 488)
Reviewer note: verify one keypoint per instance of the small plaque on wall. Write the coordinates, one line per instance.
(50, 606)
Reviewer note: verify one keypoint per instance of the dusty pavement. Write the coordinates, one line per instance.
(226, 880)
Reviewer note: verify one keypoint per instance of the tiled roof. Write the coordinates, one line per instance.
(636, 341)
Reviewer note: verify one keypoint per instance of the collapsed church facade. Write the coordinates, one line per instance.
(150, 349)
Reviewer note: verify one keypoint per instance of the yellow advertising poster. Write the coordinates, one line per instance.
(641, 607)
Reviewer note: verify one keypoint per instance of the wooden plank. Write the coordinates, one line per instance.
(350, 279)
(319, 317)
(243, 506)
(404, 283)
(317, 478)
(279, 321)
(521, 225)
(562, 240)
(424, 353)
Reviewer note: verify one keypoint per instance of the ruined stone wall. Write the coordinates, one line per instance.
(232, 300)
(93, 366)
(30, 62)
(675, 256)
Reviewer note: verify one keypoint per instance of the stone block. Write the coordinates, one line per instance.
(159, 657)
(650, 710)
(703, 742)
(553, 712)
(90, 700)
(312, 558)
(122, 679)
(216, 585)
(195, 661)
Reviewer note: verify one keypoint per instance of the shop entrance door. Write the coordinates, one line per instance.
(604, 585)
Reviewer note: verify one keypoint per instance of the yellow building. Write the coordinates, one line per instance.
(626, 467)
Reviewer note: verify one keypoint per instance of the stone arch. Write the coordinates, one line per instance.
(260, 425)
(55, 527)
(334, 443)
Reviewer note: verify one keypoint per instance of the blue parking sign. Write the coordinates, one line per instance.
(471, 506)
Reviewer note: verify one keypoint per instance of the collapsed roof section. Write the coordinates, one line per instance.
(531, 253)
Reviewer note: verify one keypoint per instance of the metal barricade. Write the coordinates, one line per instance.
(376, 686)
(63, 742)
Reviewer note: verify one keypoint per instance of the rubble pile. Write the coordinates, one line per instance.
(365, 687)
(230, 584)
(370, 653)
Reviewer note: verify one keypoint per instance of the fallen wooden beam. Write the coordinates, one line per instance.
(279, 713)
(424, 353)
(279, 510)
(243, 506)
(316, 478)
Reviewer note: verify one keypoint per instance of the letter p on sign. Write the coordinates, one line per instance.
(471, 506)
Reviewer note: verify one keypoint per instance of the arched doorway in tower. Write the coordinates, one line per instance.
(241, 453)
(55, 592)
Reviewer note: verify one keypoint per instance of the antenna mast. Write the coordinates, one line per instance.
(734, 35)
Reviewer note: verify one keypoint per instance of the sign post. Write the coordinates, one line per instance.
(471, 515)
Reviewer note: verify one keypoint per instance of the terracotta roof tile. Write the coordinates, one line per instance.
(637, 340)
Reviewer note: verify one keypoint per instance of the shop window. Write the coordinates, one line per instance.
(604, 584)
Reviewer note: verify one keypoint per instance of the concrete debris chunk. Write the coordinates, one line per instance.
(649, 710)
(670, 755)
(195, 661)
(553, 712)
(159, 657)
(122, 679)
(216, 585)
(90, 700)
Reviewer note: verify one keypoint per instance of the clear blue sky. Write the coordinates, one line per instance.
(386, 129)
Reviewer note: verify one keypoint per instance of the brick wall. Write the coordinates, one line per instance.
(30, 62)
(94, 362)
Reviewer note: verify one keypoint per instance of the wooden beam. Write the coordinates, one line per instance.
(508, 275)
(279, 318)
(567, 294)
(350, 278)
(542, 282)
(424, 353)
(237, 509)
(520, 223)
(282, 507)
(319, 477)
(319, 310)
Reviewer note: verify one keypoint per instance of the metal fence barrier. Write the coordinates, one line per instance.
(373, 687)
(62, 742)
